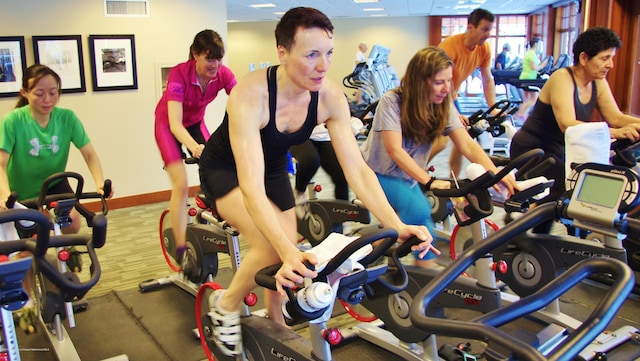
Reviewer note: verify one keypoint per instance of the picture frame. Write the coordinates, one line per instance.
(63, 54)
(113, 62)
(13, 62)
(162, 73)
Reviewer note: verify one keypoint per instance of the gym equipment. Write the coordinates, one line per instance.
(535, 259)
(495, 124)
(580, 206)
(373, 78)
(59, 292)
(323, 216)
(347, 273)
(55, 288)
(207, 235)
(393, 330)
(499, 126)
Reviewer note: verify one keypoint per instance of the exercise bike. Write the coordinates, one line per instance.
(579, 206)
(535, 259)
(207, 235)
(321, 217)
(393, 329)
(348, 272)
(55, 287)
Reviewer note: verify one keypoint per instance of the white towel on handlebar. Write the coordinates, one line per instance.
(332, 245)
(586, 142)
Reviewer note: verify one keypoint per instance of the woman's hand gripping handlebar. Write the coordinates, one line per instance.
(381, 240)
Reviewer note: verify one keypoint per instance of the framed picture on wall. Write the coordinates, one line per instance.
(113, 62)
(162, 73)
(63, 54)
(13, 63)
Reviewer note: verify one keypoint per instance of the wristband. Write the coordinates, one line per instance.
(427, 185)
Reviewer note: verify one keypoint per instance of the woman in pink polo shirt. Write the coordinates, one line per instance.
(191, 86)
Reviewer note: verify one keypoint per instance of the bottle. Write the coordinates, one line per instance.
(314, 297)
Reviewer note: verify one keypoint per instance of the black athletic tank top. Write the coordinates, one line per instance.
(275, 145)
(543, 124)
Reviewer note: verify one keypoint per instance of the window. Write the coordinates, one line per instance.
(566, 29)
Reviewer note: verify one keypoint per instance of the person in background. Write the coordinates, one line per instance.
(406, 123)
(503, 59)
(179, 121)
(361, 58)
(244, 165)
(310, 155)
(35, 141)
(360, 54)
(469, 51)
(568, 98)
(530, 66)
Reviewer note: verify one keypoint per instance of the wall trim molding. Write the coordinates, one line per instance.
(137, 200)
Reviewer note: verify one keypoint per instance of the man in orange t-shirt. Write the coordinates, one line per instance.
(469, 51)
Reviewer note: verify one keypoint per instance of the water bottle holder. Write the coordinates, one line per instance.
(472, 207)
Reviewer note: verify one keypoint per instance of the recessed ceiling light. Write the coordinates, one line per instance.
(373, 9)
(261, 6)
(365, 1)
(379, 15)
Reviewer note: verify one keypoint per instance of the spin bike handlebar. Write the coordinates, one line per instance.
(485, 327)
(630, 227)
(488, 179)
(46, 200)
(623, 154)
(388, 237)
(39, 246)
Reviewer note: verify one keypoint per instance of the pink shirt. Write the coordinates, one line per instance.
(182, 86)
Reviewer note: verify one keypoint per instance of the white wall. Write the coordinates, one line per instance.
(255, 43)
(120, 123)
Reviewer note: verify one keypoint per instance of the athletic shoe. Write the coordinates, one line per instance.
(301, 203)
(227, 333)
(27, 319)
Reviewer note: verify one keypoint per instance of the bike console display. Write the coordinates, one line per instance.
(601, 193)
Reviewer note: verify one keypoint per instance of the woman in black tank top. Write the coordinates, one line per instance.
(243, 167)
(568, 98)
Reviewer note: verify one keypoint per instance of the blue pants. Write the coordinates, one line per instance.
(410, 204)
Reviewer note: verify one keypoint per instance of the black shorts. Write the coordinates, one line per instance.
(216, 183)
(60, 188)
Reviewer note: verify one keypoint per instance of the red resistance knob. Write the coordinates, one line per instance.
(192, 212)
(64, 255)
(333, 336)
(500, 266)
(317, 188)
(251, 299)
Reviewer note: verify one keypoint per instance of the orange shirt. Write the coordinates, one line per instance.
(465, 61)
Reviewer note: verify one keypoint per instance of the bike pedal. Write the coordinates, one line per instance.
(80, 306)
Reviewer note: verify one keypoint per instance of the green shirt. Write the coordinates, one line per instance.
(527, 71)
(36, 152)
